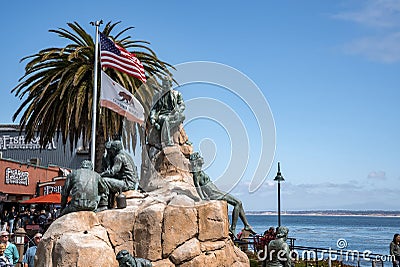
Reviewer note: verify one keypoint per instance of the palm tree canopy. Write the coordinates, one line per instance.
(57, 88)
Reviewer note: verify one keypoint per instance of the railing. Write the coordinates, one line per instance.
(313, 256)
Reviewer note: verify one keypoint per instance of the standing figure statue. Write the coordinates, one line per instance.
(85, 187)
(207, 190)
(121, 175)
(278, 250)
(167, 112)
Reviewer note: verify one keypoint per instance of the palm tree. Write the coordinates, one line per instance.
(57, 90)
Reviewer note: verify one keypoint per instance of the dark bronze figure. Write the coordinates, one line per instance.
(121, 174)
(207, 190)
(278, 250)
(167, 112)
(85, 187)
(125, 259)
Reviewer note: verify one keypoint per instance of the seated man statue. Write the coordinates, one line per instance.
(207, 190)
(167, 112)
(85, 187)
(278, 250)
(121, 175)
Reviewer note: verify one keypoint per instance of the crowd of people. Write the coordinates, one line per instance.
(9, 254)
(11, 219)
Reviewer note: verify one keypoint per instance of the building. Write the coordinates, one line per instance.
(27, 170)
(13, 146)
(20, 181)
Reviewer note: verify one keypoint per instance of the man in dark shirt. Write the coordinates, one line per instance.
(122, 174)
(84, 186)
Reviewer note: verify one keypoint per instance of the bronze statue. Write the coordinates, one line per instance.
(167, 112)
(121, 173)
(125, 259)
(209, 191)
(278, 249)
(85, 187)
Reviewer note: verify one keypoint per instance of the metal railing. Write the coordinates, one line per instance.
(314, 256)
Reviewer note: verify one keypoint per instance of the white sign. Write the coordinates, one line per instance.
(15, 176)
(52, 189)
(18, 142)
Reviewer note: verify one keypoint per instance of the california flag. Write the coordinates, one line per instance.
(120, 100)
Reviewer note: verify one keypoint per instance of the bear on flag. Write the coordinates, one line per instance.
(120, 100)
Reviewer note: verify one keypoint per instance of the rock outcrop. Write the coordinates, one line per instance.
(168, 225)
(169, 230)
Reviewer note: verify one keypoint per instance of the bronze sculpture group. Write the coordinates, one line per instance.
(119, 173)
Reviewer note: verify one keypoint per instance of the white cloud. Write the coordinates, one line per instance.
(382, 18)
(375, 13)
(379, 175)
(384, 49)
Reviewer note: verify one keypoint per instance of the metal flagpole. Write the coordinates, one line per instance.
(94, 111)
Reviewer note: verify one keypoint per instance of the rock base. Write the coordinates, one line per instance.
(168, 229)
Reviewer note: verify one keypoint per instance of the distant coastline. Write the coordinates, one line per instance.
(370, 213)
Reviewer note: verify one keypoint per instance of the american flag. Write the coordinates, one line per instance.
(114, 56)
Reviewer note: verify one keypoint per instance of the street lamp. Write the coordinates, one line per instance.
(19, 243)
(279, 179)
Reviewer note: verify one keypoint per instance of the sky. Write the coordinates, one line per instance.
(311, 84)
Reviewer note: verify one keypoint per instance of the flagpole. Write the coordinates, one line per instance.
(94, 108)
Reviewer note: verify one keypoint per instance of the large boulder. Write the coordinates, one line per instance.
(168, 230)
(169, 225)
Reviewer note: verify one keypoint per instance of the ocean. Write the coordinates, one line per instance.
(360, 233)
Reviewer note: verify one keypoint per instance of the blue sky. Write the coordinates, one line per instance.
(329, 71)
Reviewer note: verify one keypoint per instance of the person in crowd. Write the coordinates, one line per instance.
(35, 217)
(268, 236)
(12, 215)
(4, 223)
(395, 250)
(29, 257)
(24, 217)
(4, 262)
(11, 251)
(42, 220)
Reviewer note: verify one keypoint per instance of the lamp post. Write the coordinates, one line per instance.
(19, 243)
(279, 179)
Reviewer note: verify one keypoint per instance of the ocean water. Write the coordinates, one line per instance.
(359, 233)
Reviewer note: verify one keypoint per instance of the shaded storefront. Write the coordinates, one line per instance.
(19, 181)
(27, 170)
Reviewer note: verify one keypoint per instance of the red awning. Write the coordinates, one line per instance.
(53, 198)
